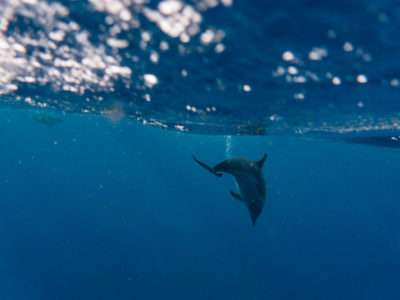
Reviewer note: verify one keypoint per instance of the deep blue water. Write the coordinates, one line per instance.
(96, 204)
(122, 212)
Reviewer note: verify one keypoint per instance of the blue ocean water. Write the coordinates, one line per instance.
(97, 204)
(94, 210)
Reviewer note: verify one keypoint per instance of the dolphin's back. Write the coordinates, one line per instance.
(237, 165)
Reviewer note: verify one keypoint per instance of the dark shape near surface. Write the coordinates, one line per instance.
(249, 178)
(47, 119)
(378, 141)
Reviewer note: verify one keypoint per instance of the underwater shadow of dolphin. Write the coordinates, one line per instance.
(47, 119)
(249, 178)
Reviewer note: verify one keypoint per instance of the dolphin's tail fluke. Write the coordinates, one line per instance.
(207, 167)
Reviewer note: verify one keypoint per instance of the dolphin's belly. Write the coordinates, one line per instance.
(249, 190)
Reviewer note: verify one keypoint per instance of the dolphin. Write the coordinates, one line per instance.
(249, 179)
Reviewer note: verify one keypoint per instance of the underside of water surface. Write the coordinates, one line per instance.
(208, 66)
(96, 202)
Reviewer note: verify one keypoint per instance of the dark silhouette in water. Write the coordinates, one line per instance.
(249, 178)
(378, 141)
(47, 119)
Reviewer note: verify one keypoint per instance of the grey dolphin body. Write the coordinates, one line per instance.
(249, 178)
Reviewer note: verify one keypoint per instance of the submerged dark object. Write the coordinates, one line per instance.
(47, 119)
(378, 141)
(249, 178)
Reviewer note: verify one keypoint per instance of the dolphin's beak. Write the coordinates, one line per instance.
(207, 167)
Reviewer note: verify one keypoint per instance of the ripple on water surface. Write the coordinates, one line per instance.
(215, 66)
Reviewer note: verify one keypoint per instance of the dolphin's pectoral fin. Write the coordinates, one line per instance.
(236, 195)
(261, 162)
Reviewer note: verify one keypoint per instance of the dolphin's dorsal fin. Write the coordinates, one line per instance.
(261, 162)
